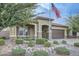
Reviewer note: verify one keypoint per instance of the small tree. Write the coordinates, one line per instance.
(73, 23)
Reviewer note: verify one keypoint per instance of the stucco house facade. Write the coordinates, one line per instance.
(40, 29)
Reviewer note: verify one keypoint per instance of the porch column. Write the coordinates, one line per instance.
(13, 32)
(50, 33)
(65, 33)
(35, 31)
(39, 31)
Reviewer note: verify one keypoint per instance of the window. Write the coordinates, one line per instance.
(22, 31)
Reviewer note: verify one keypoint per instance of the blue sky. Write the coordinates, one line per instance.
(66, 9)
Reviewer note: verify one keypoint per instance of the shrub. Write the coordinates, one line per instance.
(46, 40)
(62, 51)
(76, 44)
(2, 37)
(19, 41)
(31, 44)
(40, 53)
(2, 42)
(25, 38)
(41, 41)
(47, 44)
(55, 42)
(18, 52)
(26, 42)
(28, 39)
(64, 42)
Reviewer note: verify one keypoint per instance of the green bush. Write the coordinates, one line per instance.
(2, 42)
(62, 51)
(28, 39)
(40, 53)
(31, 44)
(19, 41)
(18, 52)
(26, 42)
(46, 40)
(25, 38)
(76, 44)
(55, 42)
(41, 41)
(2, 37)
(47, 44)
(64, 42)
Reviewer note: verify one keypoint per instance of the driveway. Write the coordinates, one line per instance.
(74, 51)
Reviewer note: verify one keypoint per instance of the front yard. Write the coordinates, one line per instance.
(59, 47)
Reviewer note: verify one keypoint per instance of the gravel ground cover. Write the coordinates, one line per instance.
(6, 49)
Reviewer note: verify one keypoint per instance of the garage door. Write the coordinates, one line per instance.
(57, 34)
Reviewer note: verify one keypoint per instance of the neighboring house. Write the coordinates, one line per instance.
(40, 30)
(5, 32)
(73, 34)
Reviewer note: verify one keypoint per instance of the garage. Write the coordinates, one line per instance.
(57, 34)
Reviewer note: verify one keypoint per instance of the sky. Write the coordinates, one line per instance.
(66, 9)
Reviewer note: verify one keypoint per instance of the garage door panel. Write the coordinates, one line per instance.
(56, 33)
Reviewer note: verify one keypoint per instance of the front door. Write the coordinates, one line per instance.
(45, 31)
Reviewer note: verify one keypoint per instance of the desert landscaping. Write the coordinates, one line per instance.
(39, 47)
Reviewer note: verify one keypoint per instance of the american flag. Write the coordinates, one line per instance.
(56, 11)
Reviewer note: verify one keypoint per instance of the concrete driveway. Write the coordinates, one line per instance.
(74, 51)
(69, 41)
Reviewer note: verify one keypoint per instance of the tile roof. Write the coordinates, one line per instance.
(43, 18)
(59, 25)
(53, 24)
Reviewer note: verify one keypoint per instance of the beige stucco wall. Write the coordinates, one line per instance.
(63, 28)
(13, 31)
(32, 30)
(44, 22)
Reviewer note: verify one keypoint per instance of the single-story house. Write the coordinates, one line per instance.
(41, 29)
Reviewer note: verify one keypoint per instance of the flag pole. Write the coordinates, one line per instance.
(49, 25)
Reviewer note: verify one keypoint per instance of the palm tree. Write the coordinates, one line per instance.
(16, 14)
